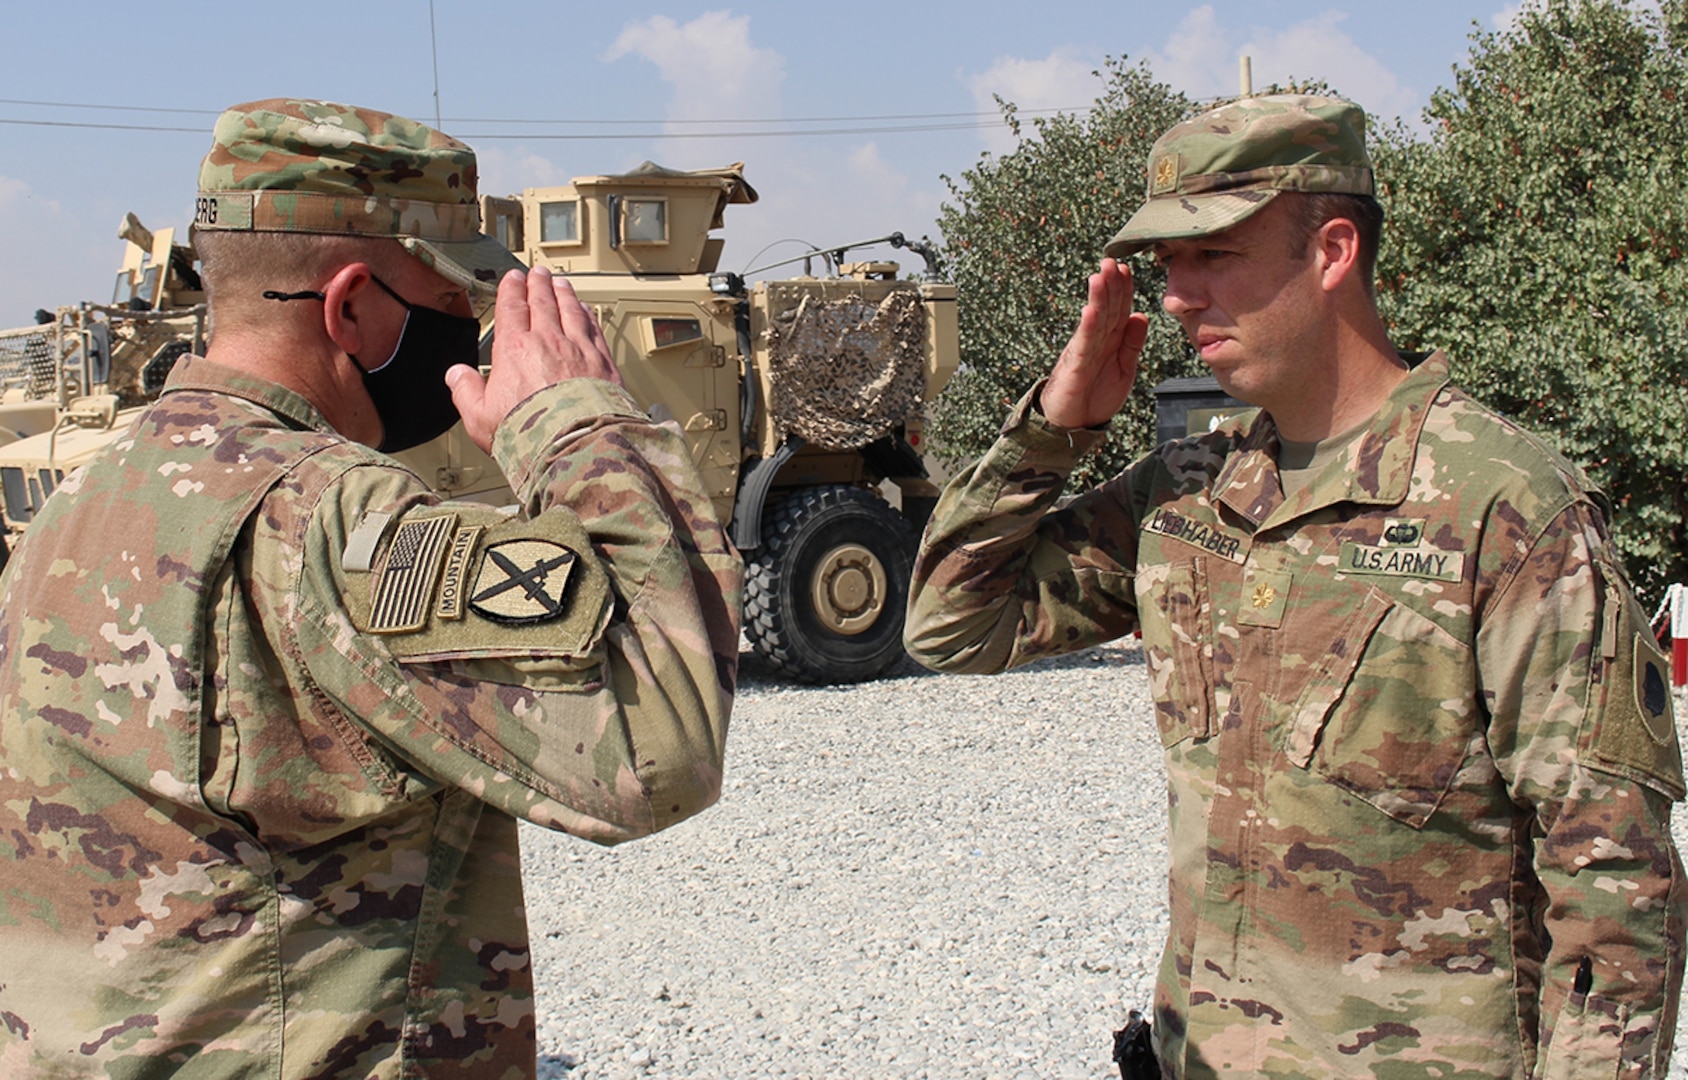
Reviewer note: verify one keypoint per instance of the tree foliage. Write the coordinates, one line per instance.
(1025, 231)
(1538, 236)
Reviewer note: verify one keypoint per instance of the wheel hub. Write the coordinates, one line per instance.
(849, 589)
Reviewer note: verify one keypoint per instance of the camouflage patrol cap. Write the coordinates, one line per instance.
(1211, 172)
(288, 165)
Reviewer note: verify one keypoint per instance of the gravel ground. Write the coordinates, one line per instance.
(927, 876)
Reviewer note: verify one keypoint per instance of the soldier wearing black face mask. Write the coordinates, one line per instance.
(409, 388)
(269, 709)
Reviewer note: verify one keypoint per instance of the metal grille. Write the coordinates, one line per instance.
(27, 362)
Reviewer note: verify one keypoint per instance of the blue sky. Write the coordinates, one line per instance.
(611, 85)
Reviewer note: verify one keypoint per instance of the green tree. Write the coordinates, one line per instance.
(1025, 231)
(1538, 236)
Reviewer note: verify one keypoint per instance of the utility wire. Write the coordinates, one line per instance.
(560, 137)
(105, 127)
(539, 121)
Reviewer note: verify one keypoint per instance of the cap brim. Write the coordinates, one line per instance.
(1183, 217)
(477, 264)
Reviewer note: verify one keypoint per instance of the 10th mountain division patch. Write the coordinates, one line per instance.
(522, 581)
(515, 582)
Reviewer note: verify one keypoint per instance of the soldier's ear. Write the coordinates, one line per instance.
(344, 315)
(1336, 245)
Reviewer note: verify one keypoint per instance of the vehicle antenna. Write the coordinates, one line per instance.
(434, 44)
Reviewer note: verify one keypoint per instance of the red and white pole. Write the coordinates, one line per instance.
(1677, 600)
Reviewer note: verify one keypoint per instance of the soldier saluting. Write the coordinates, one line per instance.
(269, 710)
(1419, 746)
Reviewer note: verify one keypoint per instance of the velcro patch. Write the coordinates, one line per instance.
(1413, 562)
(404, 587)
(1165, 175)
(223, 210)
(1636, 728)
(452, 585)
(359, 556)
(523, 581)
(1403, 532)
(1210, 538)
(1265, 596)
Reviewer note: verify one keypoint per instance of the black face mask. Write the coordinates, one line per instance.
(409, 389)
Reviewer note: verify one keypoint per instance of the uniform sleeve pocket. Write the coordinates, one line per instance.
(1177, 623)
(1587, 1040)
(1390, 715)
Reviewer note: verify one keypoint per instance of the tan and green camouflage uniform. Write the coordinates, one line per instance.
(1419, 746)
(246, 834)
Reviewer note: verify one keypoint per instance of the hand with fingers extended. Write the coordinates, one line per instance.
(1094, 374)
(544, 336)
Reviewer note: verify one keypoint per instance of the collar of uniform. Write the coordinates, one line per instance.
(198, 373)
(1376, 470)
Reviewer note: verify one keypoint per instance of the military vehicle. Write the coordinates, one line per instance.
(800, 399)
(66, 381)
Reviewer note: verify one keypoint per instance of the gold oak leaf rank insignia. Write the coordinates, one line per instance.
(522, 581)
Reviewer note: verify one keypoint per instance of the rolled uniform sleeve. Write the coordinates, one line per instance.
(588, 688)
(1003, 577)
(1582, 733)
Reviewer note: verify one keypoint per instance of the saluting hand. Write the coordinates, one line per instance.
(1093, 376)
(544, 335)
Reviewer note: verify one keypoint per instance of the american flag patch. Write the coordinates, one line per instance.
(404, 587)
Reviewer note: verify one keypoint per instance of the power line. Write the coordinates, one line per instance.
(763, 119)
(104, 127)
(793, 133)
(546, 136)
(991, 118)
(108, 108)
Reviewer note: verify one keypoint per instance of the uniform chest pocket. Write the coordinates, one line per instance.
(1390, 714)
(1177, 621)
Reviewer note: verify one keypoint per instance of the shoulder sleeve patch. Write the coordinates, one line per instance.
(1635, 723)
(408, 574)
(477, 583)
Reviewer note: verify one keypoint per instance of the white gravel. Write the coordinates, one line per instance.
(927, 876)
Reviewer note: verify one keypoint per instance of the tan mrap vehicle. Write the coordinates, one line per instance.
(71, 383)
(799, 398)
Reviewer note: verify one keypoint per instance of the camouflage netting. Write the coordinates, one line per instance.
(846, 372)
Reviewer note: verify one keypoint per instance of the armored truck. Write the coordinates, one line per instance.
(801, 398)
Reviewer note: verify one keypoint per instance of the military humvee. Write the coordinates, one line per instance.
(800, 399)
(65, 382)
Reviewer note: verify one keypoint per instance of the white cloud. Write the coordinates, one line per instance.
(1065, 79)
(1319, 49)
(507, 172)
(828, 194)
(711, 64)
(55, 257)
(14, 193)
(1506, 16)
(715, 73)
(1201, 59)
(817, 192)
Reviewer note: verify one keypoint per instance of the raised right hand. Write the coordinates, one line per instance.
(1093, 376)
(544, 335)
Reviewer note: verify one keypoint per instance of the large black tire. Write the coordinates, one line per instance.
(825, 593)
